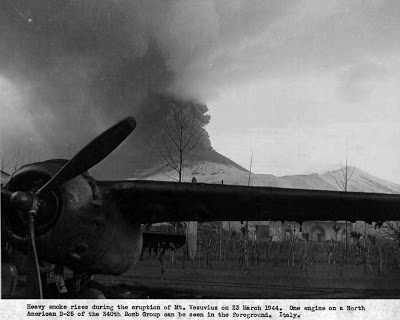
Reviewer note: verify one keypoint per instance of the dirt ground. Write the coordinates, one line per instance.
(265, 280)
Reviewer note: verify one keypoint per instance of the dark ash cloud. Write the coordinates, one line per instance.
(80, 67)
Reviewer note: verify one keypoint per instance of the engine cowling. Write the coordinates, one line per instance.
(75, 225)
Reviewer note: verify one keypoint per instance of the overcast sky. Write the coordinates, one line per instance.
(318, 80)
(298, 83)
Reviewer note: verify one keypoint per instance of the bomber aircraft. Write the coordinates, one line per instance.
(55, 214)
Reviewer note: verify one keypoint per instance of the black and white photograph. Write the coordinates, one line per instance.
(187, 149)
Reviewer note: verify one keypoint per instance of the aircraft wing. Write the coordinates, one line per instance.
(154, 201)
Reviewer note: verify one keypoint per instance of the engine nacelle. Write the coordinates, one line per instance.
(76, 226)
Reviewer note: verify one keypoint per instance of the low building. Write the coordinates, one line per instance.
(276, 231)
(318, 231)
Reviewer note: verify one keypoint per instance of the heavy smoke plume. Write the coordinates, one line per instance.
(70, 69)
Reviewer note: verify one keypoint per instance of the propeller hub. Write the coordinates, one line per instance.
(23, 201)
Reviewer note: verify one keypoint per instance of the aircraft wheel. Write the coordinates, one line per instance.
(91, 293)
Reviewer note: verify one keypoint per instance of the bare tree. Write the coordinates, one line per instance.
(17, 160)
(251, 164)
(4, 163)
(306, 232)
(342, 179)
(391, 229)
(182, 133)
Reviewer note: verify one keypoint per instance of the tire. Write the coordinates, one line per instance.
(91, 293)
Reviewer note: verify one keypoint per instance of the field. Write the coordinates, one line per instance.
(275, 270)
(260, 281)
(263, 280)
(244, 269)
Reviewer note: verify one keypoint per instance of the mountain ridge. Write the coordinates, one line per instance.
(221, 169)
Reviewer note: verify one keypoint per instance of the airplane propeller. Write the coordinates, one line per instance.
(91, 154)
(27, 203)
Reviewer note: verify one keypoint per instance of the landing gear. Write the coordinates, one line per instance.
(80, 286)
(59, 277)
(9, 277)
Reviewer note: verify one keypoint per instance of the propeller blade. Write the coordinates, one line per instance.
(91, 154)
(33, 282)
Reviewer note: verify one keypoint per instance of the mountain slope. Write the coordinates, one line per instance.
(228, 172)
(363, 182)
